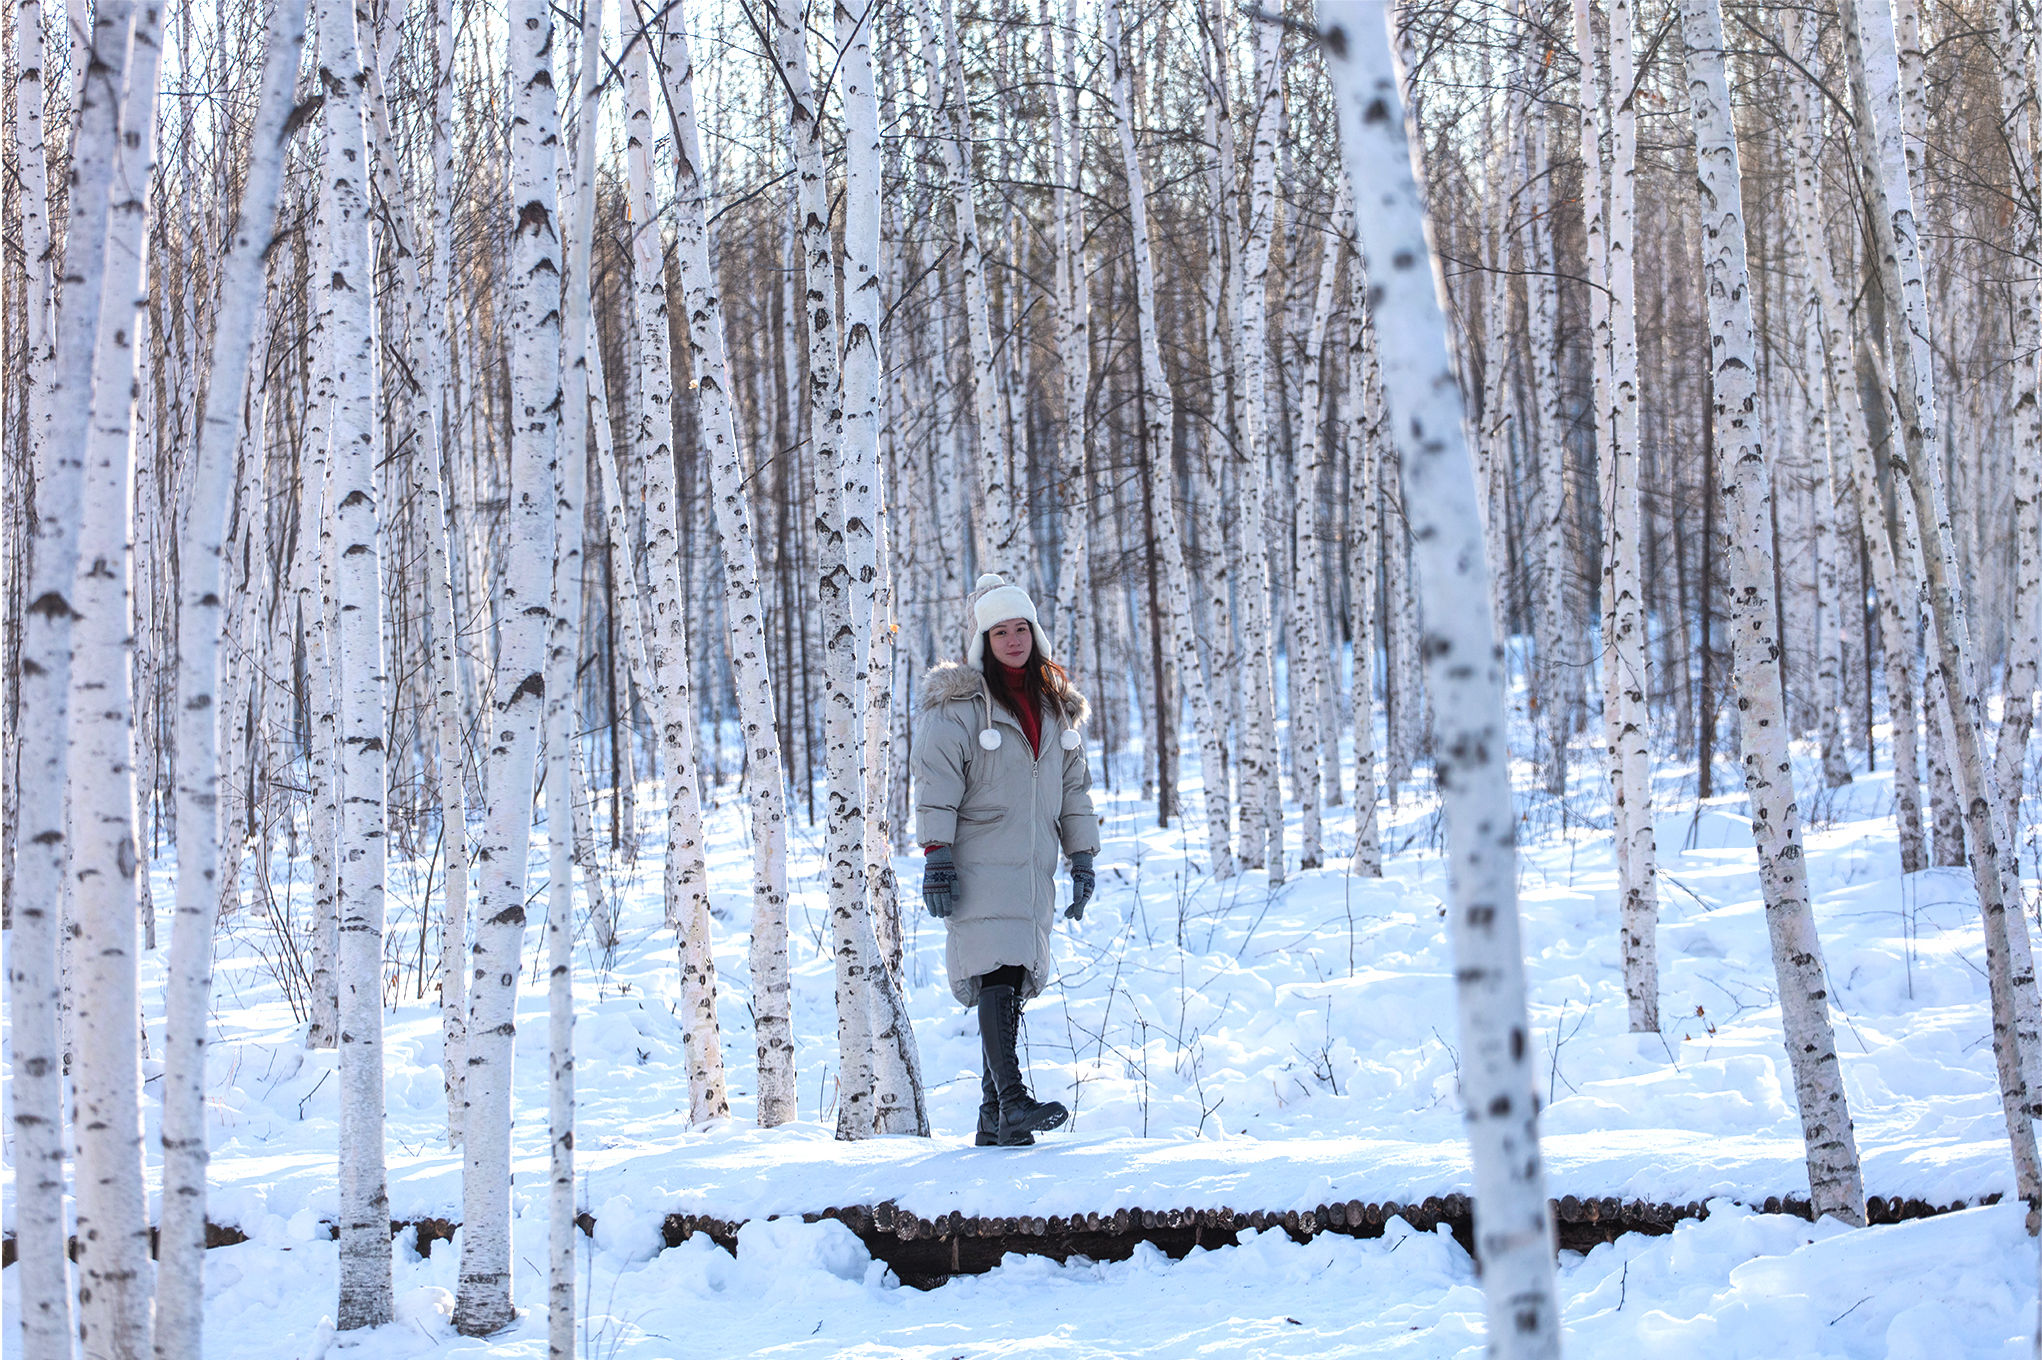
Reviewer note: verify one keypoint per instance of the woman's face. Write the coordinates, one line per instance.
(1011, 641)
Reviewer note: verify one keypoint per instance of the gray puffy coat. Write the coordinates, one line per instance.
(1006, 814)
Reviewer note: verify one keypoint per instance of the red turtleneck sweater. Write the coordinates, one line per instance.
(1011, 684)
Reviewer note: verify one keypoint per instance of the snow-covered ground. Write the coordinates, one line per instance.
(1220, 1044)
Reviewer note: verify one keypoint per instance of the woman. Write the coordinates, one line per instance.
(1001, 786)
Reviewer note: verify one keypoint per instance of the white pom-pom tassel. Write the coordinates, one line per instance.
(990, 739)
(1070, 740)
(988, 581)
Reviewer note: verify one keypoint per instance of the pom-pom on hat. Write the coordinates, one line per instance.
(993, 601)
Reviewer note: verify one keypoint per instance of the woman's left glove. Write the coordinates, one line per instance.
(1082, 881)
(939, 882)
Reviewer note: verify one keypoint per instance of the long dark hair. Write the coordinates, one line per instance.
(1039, 677)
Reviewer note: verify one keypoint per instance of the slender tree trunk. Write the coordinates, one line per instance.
(1261, 783)
(1367, 428)
(859, 966)
(1073, 330)
(1835, 1183)
(346, 318)
(430, 468)
(1918, 490)
(1308, 632)
(686, 881)
(1000, 545)
(112, 1205)
(2024, 653)
(314, 588)
(1626, 679)
(1513, 1232)
(1159, 406)
(59, 406)
(181, 1240)
(765, 787)
(1403, 695)
(532, 323)
(1839, 353)
(898, 1104)
(1558, 682)
(563, 737)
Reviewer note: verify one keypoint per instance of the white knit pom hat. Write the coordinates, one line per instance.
(993, 601)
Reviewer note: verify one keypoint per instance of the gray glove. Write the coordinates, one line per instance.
(1082, 881)
(939, 882)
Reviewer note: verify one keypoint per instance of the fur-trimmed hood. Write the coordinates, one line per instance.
(951, 681)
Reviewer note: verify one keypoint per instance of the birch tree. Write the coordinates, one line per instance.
(181, 1241)
(59, 405)
(1513, 1232)
(2023, 131)
(1875, 78)
(1307, 630)
(1159, 407)
(999, 521)
(1626, 680)
(1836, 1186)
(346, 320)
(1366, 428)
(1074, 354)
(1891, 577)
(106, 1070)
(765, 788)
(667, 643)
(570, 483)
(898, 1106)
(858, 963)
(483, 1303)
(451, 771)
(1261, 785)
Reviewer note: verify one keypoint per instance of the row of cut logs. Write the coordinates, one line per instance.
(926, 1250)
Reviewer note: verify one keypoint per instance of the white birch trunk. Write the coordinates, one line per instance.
(1160, 408)
(570, 485)
(59, 365)
(859, 967)
(1513, 1233)
(1223, 354)
(898, 1104)
(346, 318)
(1367, 427)
(1835, 1183)
(532, 323)
(314, 590)
(202, 861)
(2024, 652)
(112, 1203)
(451, 769)
(1261, 784)
(765, 785)
(1558, 682)
(1307, 628)
(1626, 675)
(631, 620)
(1000, 542)
(1073, 330)
(1403, 694)
(1857, 471)
(1989, 826)
(686, 876)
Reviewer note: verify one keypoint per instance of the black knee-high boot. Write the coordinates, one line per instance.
(1020, 1114)
(989, 1106)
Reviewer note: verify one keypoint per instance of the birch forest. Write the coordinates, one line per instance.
(456, 452)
